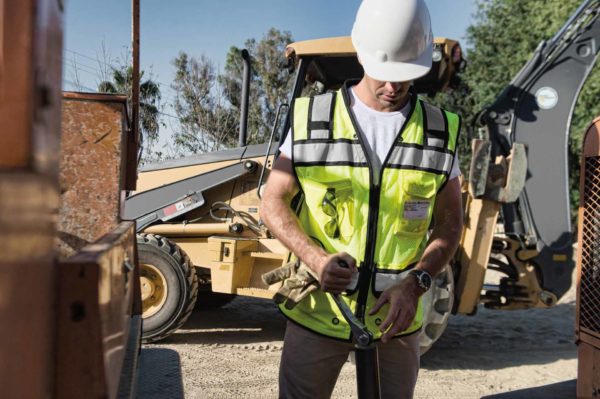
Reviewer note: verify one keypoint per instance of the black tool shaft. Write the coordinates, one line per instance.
(367, 372)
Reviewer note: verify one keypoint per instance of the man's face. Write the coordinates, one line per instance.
(387, 96)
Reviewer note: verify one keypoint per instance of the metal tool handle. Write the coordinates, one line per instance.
(362, 336)
(367, 359)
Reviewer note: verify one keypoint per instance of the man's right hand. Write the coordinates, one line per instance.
(277, 215)
(334, 276)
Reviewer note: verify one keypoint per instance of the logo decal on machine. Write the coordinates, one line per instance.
(546, 97)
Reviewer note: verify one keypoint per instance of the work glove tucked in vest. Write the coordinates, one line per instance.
(298, 282)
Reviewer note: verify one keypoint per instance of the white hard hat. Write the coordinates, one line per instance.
(393, 39)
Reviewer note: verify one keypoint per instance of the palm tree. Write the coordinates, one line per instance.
(122, 78)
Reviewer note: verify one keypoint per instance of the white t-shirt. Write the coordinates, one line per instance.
(379, 131)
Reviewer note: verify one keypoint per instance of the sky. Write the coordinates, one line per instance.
(99, 31)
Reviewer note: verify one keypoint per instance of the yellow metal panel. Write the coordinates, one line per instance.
(148, 180)
(341, 45)
(232, 265)
(331, 46)
(256, 292)
(476, 246)
(188, 229)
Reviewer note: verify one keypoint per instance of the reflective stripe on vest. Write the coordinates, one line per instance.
(334, 176)
(344, 152)
(341, 152)
(382, 280)
(421, 158)
(320, 111)
(435, 126)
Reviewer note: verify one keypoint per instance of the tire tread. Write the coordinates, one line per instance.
(184, 263)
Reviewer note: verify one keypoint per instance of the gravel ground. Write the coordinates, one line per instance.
(233, 352)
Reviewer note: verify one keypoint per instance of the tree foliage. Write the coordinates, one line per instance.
(208, 104)
(270, 83)
(122, 83)
(206, 121)
(504, 35)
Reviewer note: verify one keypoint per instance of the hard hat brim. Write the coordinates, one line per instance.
(391, 71)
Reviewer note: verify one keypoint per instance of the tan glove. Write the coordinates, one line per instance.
(298, 282)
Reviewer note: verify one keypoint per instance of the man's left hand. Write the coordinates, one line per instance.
(403, 299)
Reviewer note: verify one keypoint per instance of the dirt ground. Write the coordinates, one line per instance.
(233, 352)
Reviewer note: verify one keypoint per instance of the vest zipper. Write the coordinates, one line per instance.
(369, 267)
(364, 281)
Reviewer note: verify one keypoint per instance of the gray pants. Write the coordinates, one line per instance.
(311, 364)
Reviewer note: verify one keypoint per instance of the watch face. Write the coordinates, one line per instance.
(425, 280)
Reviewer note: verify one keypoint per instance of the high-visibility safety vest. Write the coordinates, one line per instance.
(381, 221)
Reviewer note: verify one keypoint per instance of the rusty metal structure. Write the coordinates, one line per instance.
(30, 79)
(587, 321)
(95, 132)
(69, 283)
(99, 284)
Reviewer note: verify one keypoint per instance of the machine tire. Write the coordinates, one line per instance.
(437, 308)
(177, 286)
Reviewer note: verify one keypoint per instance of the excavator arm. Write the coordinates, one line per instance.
(522, 167)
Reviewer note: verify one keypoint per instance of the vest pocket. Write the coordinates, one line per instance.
(338, 206)
(346, 212)
(416, 205)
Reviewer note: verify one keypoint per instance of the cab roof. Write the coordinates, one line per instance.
(341, 45)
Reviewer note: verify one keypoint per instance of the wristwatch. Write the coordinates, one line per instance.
(423, 278)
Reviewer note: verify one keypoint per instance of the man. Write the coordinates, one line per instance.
(373, 165)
